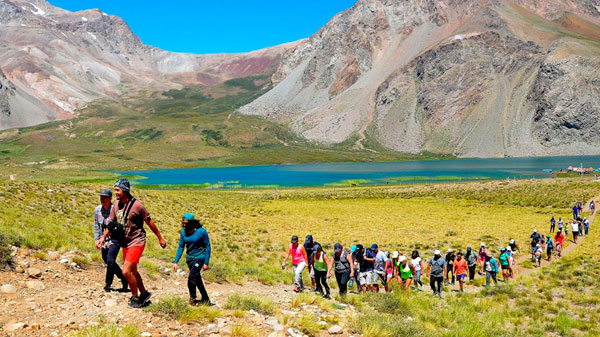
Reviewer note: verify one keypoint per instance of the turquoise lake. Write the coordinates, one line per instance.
(344, 174)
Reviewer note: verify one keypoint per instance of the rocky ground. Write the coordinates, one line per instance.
(56, 296)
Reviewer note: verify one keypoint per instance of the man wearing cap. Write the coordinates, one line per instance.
(370, 274)
(299, 260)
(132, 215)
(309, 244)
(535, 239)
(110, 247)
(343, 267)
(436, 271)
(197, 243)
(379, 267)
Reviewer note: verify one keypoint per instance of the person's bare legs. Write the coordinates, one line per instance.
(129, 272)
(140, 283)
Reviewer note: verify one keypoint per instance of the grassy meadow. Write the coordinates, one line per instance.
(250, 230)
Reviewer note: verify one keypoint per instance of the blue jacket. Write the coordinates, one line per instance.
(197, 244)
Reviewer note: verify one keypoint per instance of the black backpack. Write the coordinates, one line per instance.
(117, 229)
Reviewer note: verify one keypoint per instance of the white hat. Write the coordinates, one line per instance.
(395, 254)
(509, 249)
(512, 240)
(482, 245)
(538, 245)
(449, 250)
(437, 252)
(402, 258)
(535, 230)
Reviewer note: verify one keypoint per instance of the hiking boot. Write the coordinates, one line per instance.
(327, 296)
(440, 294)
(145, 297)
(108, 289)
(134, 302)
(435, 293)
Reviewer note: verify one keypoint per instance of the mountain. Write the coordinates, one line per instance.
(56, 61)
(476, 78)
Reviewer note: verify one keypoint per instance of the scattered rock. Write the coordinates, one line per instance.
(278, 327)
(64, 261)
(9, 289)
(19, 269)
(23, 252)
(226, 331)
(110, 303)
(146, 334)
(294, 333)
(34, 272)
(336, 329)
(272, 322)
(52, 255)
(16, 326)
(35, 285)
(211, 329)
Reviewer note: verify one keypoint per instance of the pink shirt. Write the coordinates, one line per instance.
(297, 256)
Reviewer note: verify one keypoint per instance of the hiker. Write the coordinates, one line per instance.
(371, 275)
(471, 263)
(194, 239)
(514, 246)
(460, 269)
(309, 244)
(299, 259)
(549, 247)
(344, 267)
(511, 261)
(592, 207)
(538, 254)
(575, 211)
(575, 230)
(417, 263)
(379, 267)
(389, 270)
(491, 269)
(482, 258)
(586, 226)
(559, 239)
(504, 264)
(364, 267)
(535, 239)
(406, 271)
(128, 216)
(579, 208)
(552, 224)
(561, 224)
(394, 263)
(357, 257)
(436, 269)
(110, 248)
(322, 266)
(450, 257)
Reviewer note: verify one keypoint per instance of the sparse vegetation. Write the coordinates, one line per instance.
(179, 309)
(249, 302)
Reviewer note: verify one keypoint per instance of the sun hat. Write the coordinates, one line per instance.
(449, 250)
(509, 249)
(437, 252)
(512, 240)
(535, 230)
(395, 254)
(402, 258)
(482, 245)
(489, 254)
(188, 216)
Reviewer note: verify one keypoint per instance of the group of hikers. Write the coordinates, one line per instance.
(121, 225)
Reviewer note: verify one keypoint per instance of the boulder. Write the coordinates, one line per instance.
(211, 329)
(34, 272)
(8, 289)
(335, 330)
(35, 285)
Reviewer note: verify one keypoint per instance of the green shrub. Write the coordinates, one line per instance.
(250, 302)
(107, 330)
(6, 242)
(179, 309)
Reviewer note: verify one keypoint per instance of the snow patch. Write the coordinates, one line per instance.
(38, 11)
(84, 19)
(92, 35)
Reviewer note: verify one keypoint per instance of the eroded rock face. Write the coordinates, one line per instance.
(468, 78)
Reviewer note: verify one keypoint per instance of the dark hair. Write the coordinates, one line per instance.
(193, 224)
(415, 254)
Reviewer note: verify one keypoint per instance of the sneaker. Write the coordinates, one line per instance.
(192, 301)
(122, 290)
(422, 288)
(440, 294)
(134, 302)
(207, 303)
(435, 293)
(145, 297)
(108, 289)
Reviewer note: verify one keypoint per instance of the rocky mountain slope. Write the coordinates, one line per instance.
(471, 78)
(58, 60)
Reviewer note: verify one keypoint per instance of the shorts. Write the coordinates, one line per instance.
(390, 276)
(362, 277)
(533, 250)
(505, 267)
(372, 277)
(133, 254)
(311, 272)
(461, 277)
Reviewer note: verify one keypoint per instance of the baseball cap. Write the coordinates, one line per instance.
(437, 252)
(188, 216)
(337, 247)
(512, 240)
(402, 258)
(489, 254)
(482, 245)
(374, 246)
(502, 249)
(535, 230)
(395, 254)
(106, 193)
(449, 250)
(295, 239)
(309, 238)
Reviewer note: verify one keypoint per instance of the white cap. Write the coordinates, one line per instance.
(509, 249)
(535, 230)
(395, 254)
(437, 252)
(482, 245)
(512, 240)
(449, 250)
(402, 258)
(538, 245)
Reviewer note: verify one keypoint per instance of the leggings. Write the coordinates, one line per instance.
(436, 280)
(450, 270)
(342, 281)
(321, 282)
(195, 279)
(472, 272)
(109, 255)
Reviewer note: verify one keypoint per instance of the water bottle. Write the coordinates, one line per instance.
(351, 282)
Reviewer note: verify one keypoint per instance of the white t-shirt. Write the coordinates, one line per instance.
(416, 263)
(380, 260)
(575, 227)
(560, 224)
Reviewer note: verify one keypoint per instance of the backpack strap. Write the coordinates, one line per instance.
(128, 208)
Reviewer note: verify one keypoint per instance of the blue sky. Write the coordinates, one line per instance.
(217, 26)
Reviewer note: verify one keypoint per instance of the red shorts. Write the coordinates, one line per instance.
(133, 254)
